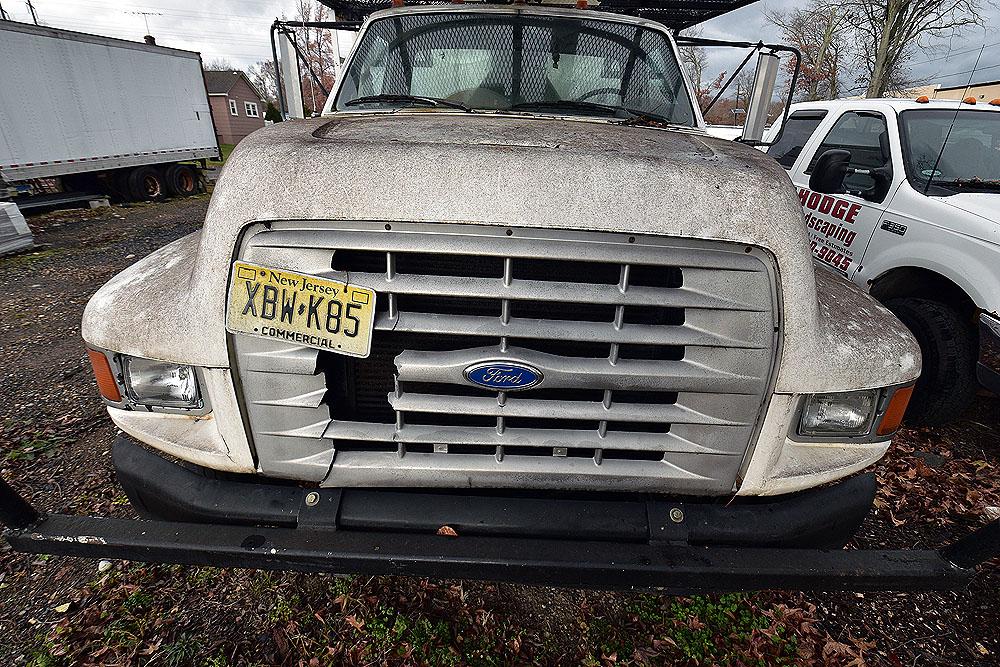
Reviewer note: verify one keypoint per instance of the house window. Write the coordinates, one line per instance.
(232, 108)
(251, 109)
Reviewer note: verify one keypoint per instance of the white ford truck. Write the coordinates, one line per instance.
(508, 285)
(911, 213)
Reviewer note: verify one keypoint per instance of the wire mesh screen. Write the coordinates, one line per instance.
(498, 61)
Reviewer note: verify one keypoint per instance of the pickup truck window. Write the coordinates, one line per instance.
(971, 156)
(516, 62)
(866, 135)
(798, 128)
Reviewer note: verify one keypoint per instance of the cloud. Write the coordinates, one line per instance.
(946, 61)
(237, 31)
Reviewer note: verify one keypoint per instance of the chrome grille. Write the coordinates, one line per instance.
(656, 354)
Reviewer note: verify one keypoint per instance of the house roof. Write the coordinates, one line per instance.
(220, 82)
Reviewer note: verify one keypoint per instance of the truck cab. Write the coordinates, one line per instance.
(507, 284)
(913, 220)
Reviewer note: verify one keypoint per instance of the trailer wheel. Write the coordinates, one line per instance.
(947, 382)
(182, 180)
(146, 184)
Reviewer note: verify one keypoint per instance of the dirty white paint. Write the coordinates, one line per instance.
(515, 172)
(216, 441)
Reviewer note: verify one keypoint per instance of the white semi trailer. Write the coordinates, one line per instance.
(101, 115)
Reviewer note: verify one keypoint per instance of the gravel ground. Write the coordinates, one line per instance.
(54, 447)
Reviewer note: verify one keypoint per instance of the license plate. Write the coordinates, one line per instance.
(308, 310)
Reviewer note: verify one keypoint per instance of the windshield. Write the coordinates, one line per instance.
(970, 159)
(519, 62)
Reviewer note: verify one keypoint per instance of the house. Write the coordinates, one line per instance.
(982, 92)
(237, 106)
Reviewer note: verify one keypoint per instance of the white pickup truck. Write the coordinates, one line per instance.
(911, 214)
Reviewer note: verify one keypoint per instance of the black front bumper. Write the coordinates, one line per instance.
(607, 543)
(820, 518)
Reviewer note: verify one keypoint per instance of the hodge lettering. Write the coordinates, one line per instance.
(827, 205)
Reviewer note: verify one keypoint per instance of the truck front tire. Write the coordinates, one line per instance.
(947, 381)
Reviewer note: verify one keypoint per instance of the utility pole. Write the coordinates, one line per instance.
(31, 8)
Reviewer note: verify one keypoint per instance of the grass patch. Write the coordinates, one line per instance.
(27, 259)
(181, 651)
(225, 149)
(34, 446)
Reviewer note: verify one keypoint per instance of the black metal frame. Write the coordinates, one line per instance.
(285, 28)
(756, 47)
(677, 14)
(618, 563)
(359, 9)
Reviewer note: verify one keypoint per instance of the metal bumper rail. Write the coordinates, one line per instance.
(558, 562)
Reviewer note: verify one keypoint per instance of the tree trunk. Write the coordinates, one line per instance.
(813, 91)
(880, 68)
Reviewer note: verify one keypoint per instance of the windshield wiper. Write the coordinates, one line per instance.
(413, 99)
(614, 109)
(970, 183)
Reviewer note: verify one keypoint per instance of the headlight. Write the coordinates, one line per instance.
(159, 383)
(843, 414)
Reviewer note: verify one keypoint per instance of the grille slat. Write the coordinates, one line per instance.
(488, 438)
(545, 246)
(577, 372)
(655, 355)
(642, 334)
(525, 290)
(521, 407)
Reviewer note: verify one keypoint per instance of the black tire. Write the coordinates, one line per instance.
(146, 184)
(118, 181)
(947, 383)
(181, 179)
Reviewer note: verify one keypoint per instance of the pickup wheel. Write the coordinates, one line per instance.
(146, 184)
(947, 382)
(182, 180)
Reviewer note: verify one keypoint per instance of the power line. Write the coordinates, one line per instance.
(945, 76)
(956, 53)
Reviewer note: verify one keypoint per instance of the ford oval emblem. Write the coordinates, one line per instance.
(503, 375)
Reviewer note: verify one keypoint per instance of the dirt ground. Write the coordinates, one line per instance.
(55, 439)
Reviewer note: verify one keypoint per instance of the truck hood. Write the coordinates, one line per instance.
(510, 171)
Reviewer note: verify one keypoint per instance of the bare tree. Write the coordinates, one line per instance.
(821, 31)
(263, 77)
(695, 60)
(887, 31)
(742, 86)
(219, 65)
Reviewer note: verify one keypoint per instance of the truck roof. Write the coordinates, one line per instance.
(897, 104)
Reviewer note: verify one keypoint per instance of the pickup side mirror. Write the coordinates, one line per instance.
(829, 172)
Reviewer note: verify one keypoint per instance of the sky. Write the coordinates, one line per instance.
(237, 31)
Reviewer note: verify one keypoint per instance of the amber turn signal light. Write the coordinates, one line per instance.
(893, 416)
(106, 383)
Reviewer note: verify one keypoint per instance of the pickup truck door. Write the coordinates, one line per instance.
(841, 225)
